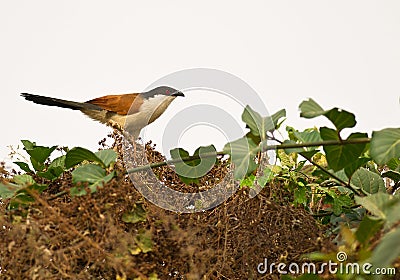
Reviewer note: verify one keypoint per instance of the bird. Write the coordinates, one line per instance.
(125, 112)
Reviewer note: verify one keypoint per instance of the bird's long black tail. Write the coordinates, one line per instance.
(49, 101)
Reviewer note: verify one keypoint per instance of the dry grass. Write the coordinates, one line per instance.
(85, 237)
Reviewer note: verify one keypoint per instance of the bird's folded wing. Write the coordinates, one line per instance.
(121, 104)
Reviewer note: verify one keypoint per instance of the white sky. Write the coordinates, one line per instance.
(341, 53)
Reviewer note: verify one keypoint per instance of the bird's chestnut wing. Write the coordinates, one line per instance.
(123, 104)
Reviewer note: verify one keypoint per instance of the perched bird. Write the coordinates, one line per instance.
(126, 112)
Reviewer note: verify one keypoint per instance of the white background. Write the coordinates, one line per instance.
(341, 53)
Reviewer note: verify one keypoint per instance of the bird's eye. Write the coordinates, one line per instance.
(167, 92)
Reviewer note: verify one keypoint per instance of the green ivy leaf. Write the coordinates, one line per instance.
(394, 164)
(260, 125)
(306, 136)
(309, 154)
(191, 171)
(54, 170)
(341, 174)
(352, 167)
(276, 117)
(253, 120)
(8, 190)
(286, 159)
(24, 166)
(368, 181)
(340, 118)
(367, 229)
(34, 187)
(248, 181)
(341, 156)
(184, 167)
(143, 241)
(77, 155)
(254, 138)
(51, 173)
(28, 145)
(92, 174)
(268, 176)
(387, 251)
(310, 109)
(58, 162)
(300, 195)
(22, 198)
(138, 214)
(340, 201)
(385, 145)
(38, 154)
(81, 190)
(107, 156)
(23, 179)
(383, 206)
(242, 153)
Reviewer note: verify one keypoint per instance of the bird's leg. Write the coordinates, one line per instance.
(134, 145)
(131, 138)
(126, 136)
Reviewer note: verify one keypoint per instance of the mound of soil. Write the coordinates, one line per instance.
(115, 233)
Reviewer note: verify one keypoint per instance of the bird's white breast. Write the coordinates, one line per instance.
(149, 111)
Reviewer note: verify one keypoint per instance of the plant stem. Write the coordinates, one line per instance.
(345, 184)
(323, 169)
(263, 148)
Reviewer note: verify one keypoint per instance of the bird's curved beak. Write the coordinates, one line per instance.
(178, 93)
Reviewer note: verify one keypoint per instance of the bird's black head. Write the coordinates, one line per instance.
(163, 90)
